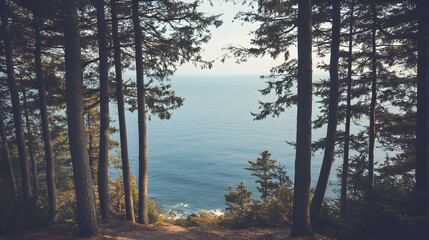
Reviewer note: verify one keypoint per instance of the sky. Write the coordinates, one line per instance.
(231, 32)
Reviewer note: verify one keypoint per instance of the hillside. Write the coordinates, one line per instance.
(115, 228)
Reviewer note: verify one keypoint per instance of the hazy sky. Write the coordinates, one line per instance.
(236, 33)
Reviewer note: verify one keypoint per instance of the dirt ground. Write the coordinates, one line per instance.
(116, 228)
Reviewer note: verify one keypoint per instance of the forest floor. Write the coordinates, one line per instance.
(116, 228)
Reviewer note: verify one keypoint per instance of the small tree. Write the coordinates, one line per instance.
(238, 201)
(264, 169)
(275, 186)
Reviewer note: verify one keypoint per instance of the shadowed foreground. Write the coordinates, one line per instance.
(116, 228)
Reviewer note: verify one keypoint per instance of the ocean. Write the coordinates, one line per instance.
(205, 146)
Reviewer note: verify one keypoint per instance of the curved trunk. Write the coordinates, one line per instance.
(301, 199)
(47, 140)
(141, 116)
(16, 107)
(106, 207)
(331, 134)
(86, 216)
(129, 205)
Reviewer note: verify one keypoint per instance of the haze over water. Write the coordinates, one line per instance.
(205, 146)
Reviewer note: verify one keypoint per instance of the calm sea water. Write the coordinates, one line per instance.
(205, 146)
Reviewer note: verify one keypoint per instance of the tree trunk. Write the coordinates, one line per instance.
(106, 207)
(331, 134)
(19, 129)
(86, 216)
(30, 145)
(422, 130)
(6, 156)
(345, 169)
(143, 218)
(47, 140)
(129, 206)
(90, 148)
(301, 199)
(373, 100)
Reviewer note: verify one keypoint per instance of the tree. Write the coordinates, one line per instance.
(345, 167)
(103, 164)
(129, 206)
(82, 175)
(141, 115)
(373, 97)
(301, 199)
(238, 201)
(30, 145)
(16, 106)
(6, 156)
(330, 140)
(47, 139)
(263, 170)
(422, 130)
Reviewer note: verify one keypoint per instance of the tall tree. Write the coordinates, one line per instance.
(106, 207)
(345, 167)
(16, 106)
(6, 155)
(129, 206)
(301, 199)
(47, 139)
(422, 130)
(328, 156)
(373, 97)
(30, 144)
(143, 217)
(74, 83)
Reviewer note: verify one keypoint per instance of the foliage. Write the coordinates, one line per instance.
(201, 219)
(19, 214)
(262, 169)
(118, 199)
(274, 210)
(239, 205)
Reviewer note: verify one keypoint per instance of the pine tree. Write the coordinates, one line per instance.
(422, 141)
(238, 201)
(264, 169)
(6, 156)
(143, 218)
(129, 206)
(301, 201)
(106, 208)
(87, 220)
(330, 141)
(16, 106)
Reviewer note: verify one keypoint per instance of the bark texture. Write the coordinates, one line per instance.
(373, 99)
(86, 215)
(129, 205)
(345, 169)
(143, 218)
(301, 199)
(47, 139)
(331, 134)
(33, 160)
(106, 207)
(422, 131)
(16, 106)
(6, 156)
